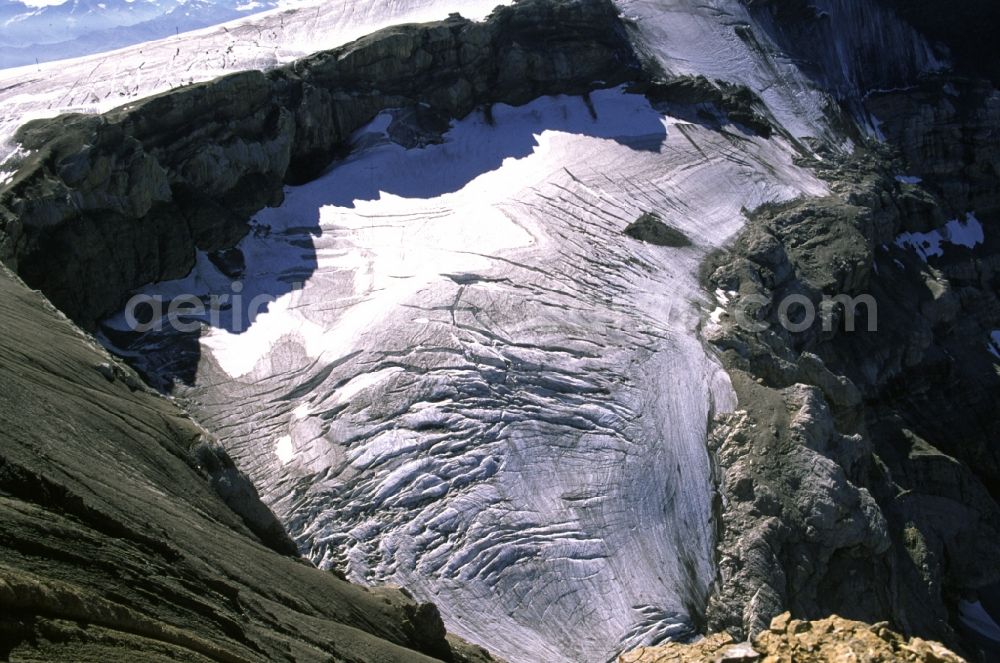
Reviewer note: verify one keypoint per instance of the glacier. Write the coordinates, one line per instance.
(476, 386)
(447, 367)
(45, 30)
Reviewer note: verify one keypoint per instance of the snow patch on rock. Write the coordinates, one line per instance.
(284, 450)
(968, 233)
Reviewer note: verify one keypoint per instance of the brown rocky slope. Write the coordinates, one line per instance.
(832, 640)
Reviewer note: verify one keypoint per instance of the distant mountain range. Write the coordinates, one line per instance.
(80, 27)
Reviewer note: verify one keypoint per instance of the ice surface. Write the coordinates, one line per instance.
(874, 128)
(969, 234)
(72, 29)
(472, 383)
(697, 38)
(721, 40)
(284, 450)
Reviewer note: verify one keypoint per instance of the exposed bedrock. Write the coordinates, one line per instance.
(945, 131)
(185, 170)
(860, 475)
(966, 30)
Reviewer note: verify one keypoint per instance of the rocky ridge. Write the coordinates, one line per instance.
(94, 183)
(858, 477)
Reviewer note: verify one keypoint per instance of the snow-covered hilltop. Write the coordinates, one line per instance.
(54, 31)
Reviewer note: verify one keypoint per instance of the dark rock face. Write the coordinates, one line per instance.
(967, 29)
(134, 193)
(860, 476)
(739, 104)
(649, 228)
(945, 129)
(857, 477)
(847, 47)
(116, 539)
(239, 494)
(941, 383)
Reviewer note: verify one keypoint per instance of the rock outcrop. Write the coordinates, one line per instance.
(847, 48)
(738, 104)
(790, 640)
(651, 229)
(116, 544)
(859, 476)
(133, 193)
